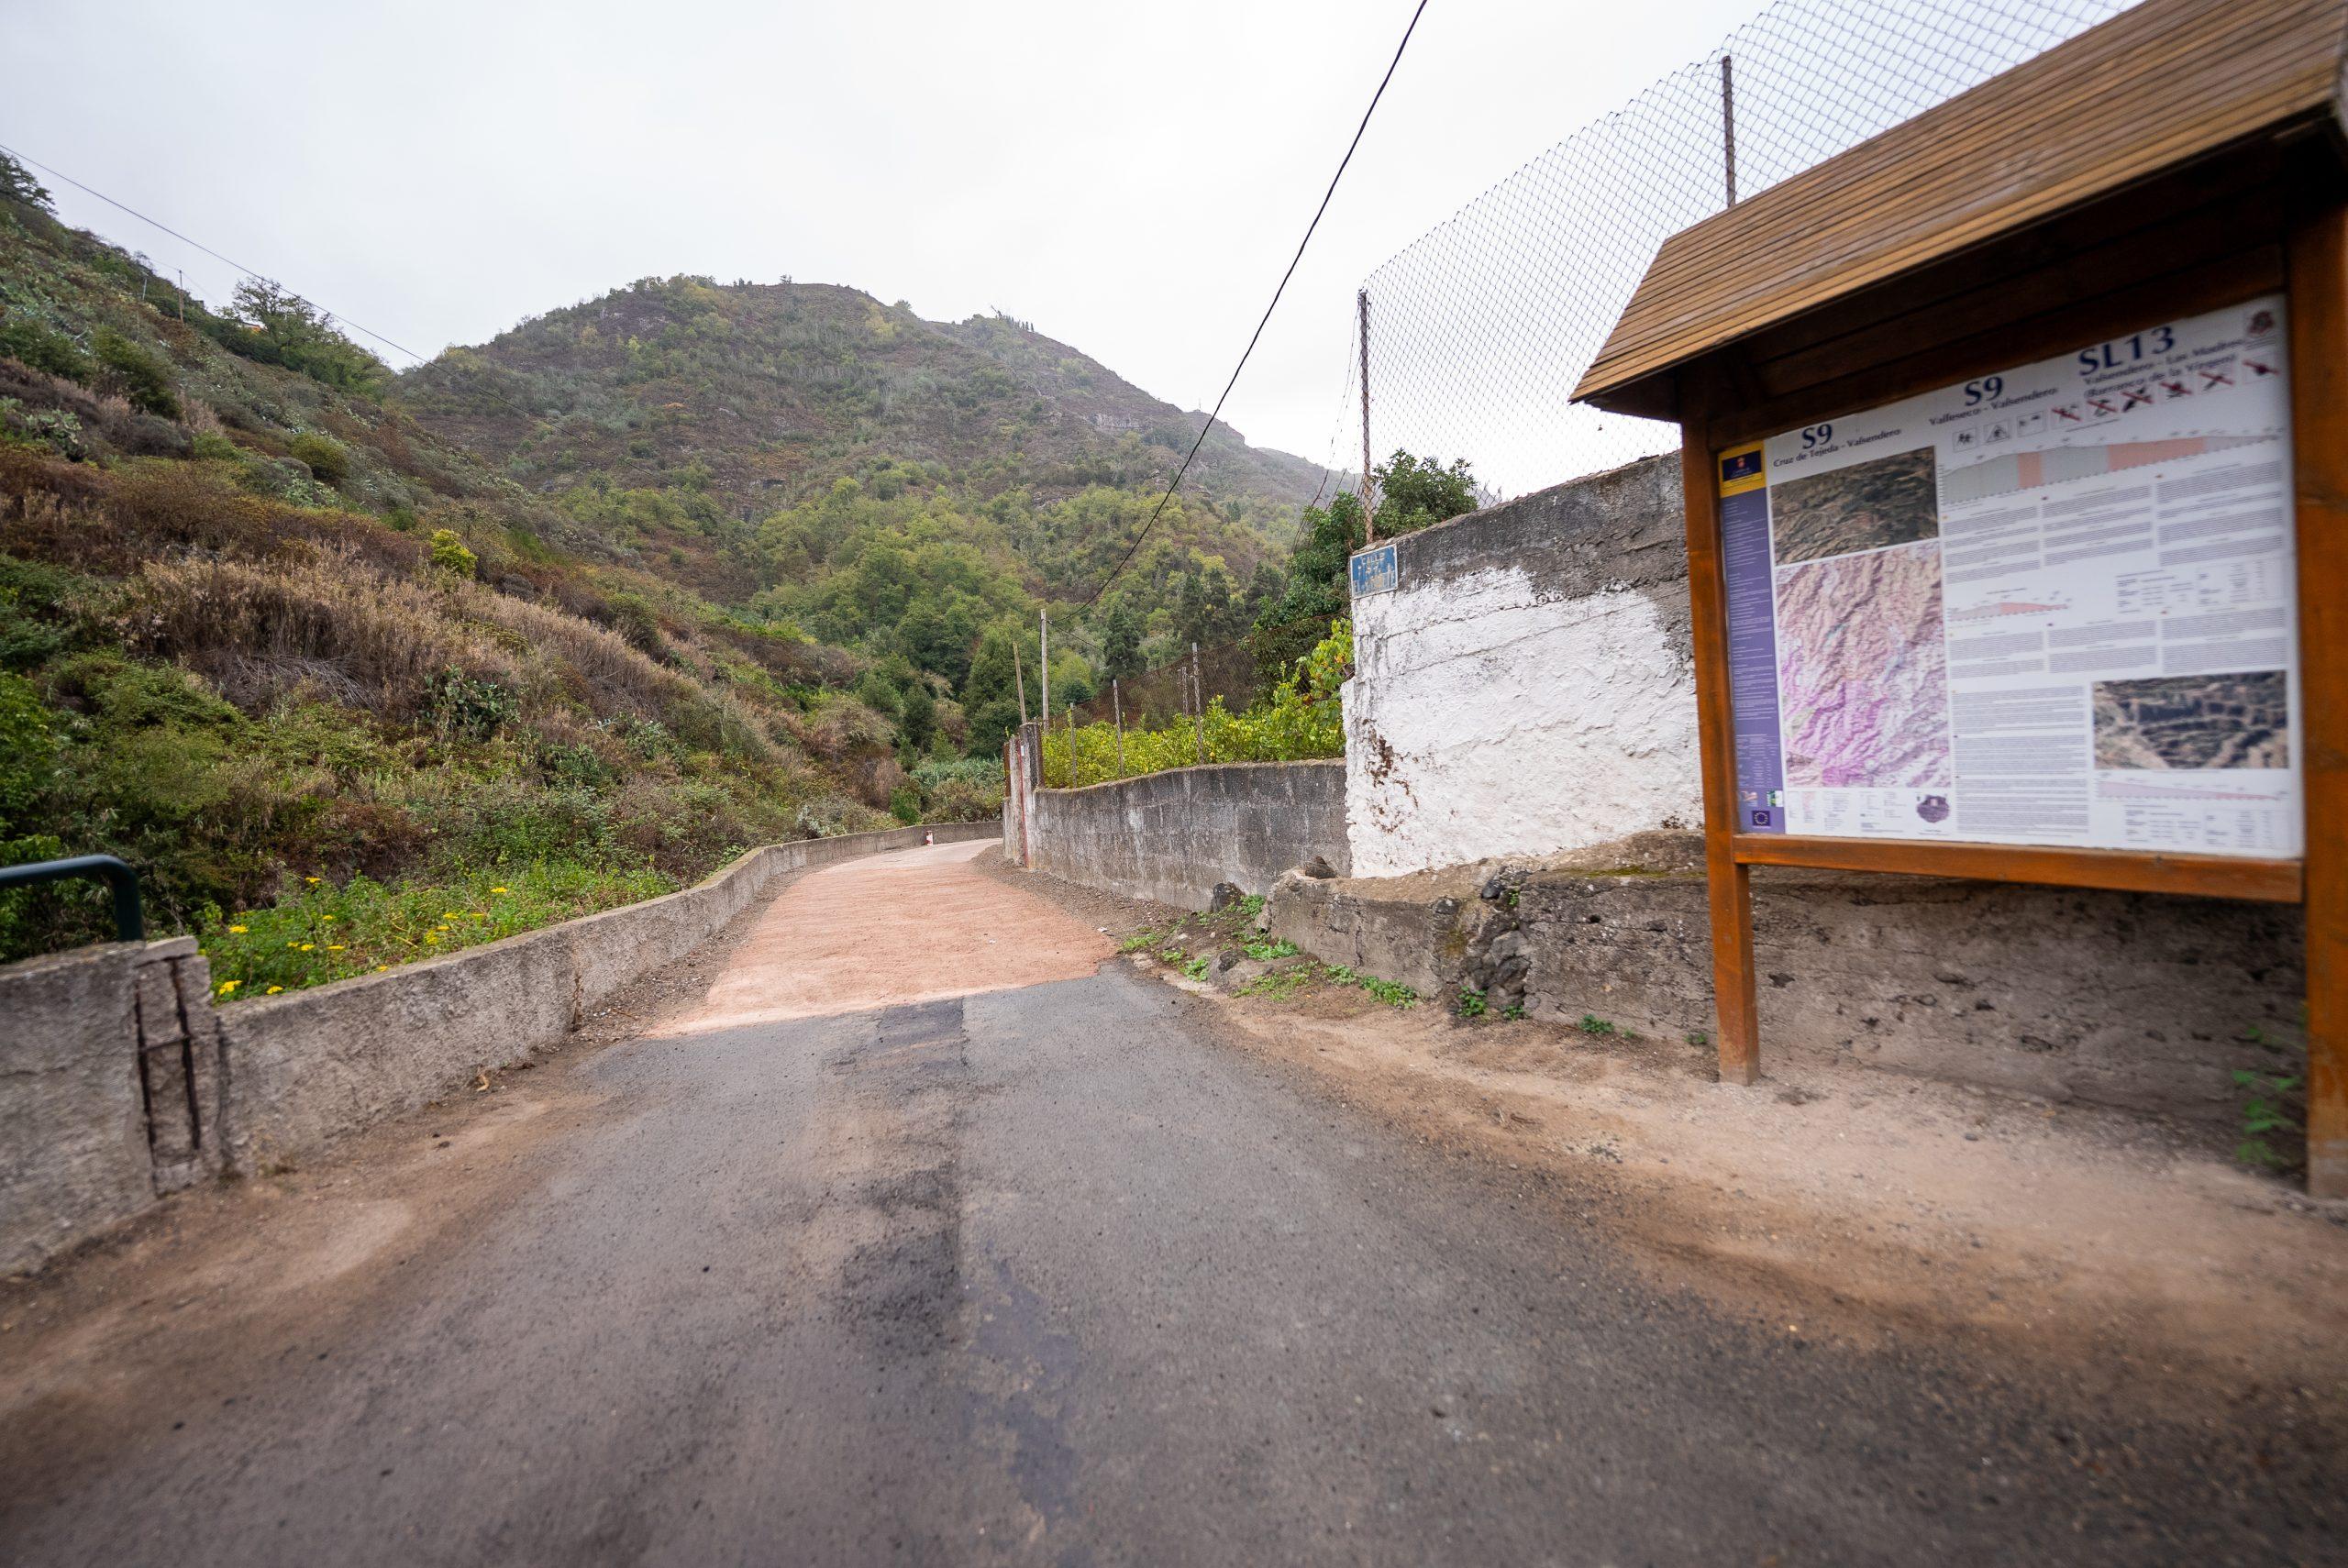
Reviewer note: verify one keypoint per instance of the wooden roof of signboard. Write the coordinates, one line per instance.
(2164, 84)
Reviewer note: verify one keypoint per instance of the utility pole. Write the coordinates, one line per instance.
(1728, 123)
(1117, 703)
(1044, 659)
(1369, 523)
(1072, 780)
(182, 273)
(1019, 679)
(1198, 703)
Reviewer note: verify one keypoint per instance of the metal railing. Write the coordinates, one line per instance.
(129, 920)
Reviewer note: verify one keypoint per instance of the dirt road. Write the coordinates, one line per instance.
(887, 1245)
(894, 929)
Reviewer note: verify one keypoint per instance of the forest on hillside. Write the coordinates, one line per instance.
(406, 661)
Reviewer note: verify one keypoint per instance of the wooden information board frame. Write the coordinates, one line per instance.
(2247, 213)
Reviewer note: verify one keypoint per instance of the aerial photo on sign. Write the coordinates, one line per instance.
(2053, 605)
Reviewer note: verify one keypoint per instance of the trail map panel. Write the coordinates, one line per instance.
(2052, 606)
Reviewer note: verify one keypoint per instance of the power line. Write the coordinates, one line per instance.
(1325, 196)
(175, 234)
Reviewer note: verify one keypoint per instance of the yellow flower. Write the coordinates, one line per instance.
(497, 889)
(237, 929)
(381, 967)
(291, 943)
(431, 936)
(272, 991)
(306, 946)
(227, 987)
(328, 918)
(449, 914)
(334, 946)
(312, 880)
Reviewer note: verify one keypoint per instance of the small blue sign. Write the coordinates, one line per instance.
(1375, 571)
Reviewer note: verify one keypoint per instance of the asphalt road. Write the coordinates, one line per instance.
(1052, 1275)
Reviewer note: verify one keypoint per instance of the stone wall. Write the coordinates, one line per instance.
(2124, 1000)
(119, 1081)
(1529, 685)
(1173, 835)
(110, 1089)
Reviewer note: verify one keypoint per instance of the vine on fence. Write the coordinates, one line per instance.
(1301, 719)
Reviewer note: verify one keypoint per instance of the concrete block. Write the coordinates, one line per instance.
(2122, 1000)
(312, 1066)
(1172, 836)
(73, 1158)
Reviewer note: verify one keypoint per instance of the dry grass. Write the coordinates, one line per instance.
(257, 631)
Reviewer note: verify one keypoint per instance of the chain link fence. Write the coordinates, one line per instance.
(1479, 332)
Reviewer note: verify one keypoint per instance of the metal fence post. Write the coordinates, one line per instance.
(1368, 522)
(1198, 703)
(1728, 123)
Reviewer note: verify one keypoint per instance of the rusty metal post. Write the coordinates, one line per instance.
(1728, 123)
(1198, 703)
(1369, 517)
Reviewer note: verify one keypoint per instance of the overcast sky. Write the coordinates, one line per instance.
(1130, 178)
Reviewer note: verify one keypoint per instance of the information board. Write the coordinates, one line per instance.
(2049, 606)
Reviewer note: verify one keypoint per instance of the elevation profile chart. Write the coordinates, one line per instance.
(2053, 605)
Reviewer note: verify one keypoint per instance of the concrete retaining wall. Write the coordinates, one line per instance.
(2114, 998)
(1173, 835)
(1529, 685)
(120, 1082)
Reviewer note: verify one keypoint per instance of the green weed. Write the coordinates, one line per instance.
(1592, 1024)
(2264, 1111)
(1470, 1003)
(325, 932)
(1393, 993)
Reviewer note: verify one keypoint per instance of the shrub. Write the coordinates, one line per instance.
(1301, 719)
(904, 805)
(328, 462)
(145, 379)
(29, 343)
(469, 707)
(27, 749)
(449, 554)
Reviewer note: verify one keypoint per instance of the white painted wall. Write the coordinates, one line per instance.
(1483, 721)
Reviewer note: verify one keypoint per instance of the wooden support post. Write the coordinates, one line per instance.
(1044, 659)
(1117, 703)
(1019, 679)
(1072, 780)
(1727, 880)
(2318, 259)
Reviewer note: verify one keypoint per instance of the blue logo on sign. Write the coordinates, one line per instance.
(1375, 571)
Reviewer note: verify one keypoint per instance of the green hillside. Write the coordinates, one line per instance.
(551, 623)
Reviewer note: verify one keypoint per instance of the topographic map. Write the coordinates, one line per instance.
(1862, 676)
